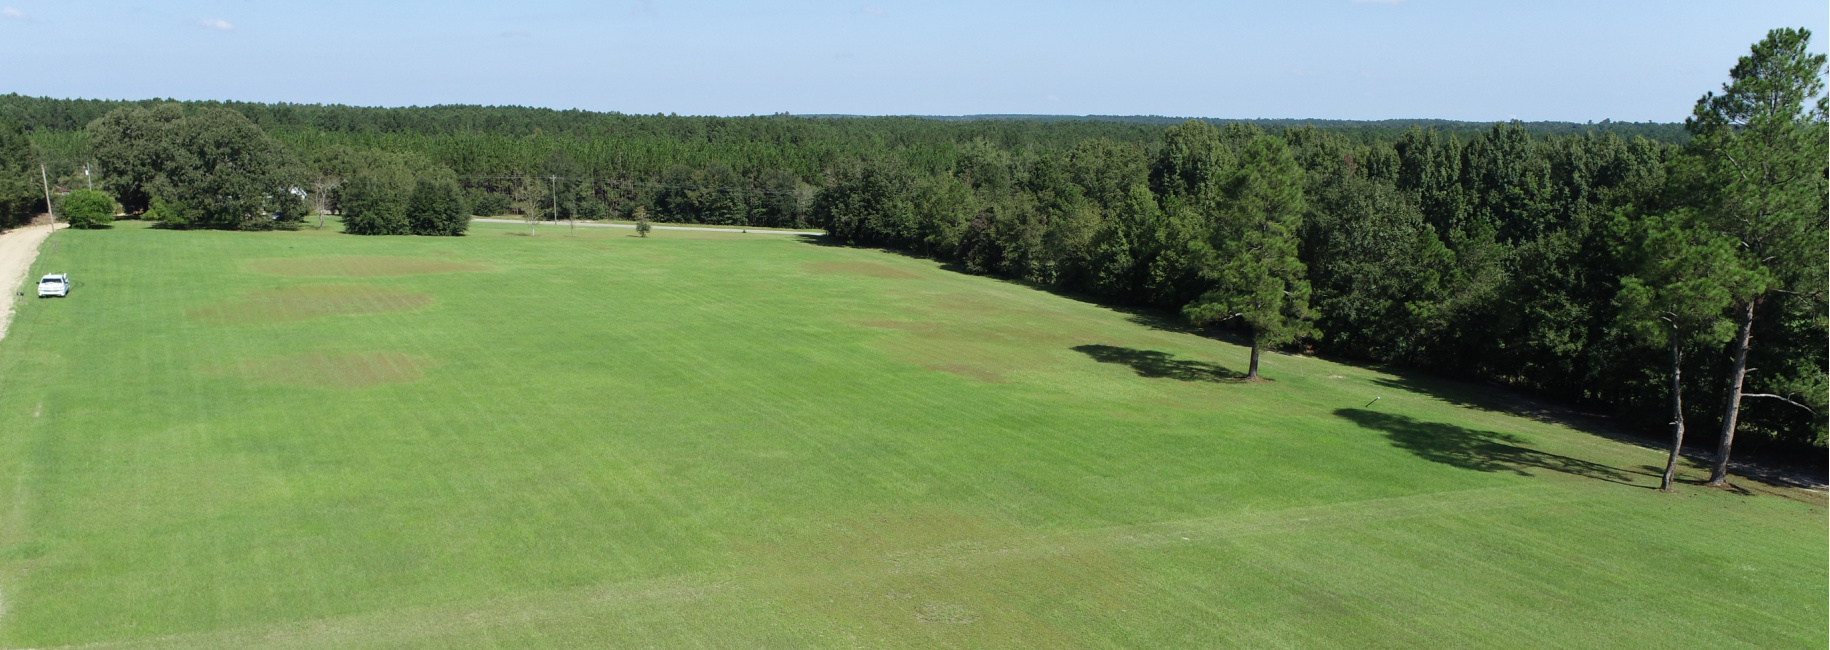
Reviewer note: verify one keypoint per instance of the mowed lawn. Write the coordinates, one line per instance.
(308, 439)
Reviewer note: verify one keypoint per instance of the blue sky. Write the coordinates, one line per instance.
(1340, 59)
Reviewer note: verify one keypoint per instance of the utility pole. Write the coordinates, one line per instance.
(86, 177)
(45, 178)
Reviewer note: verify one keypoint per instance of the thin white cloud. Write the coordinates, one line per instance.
(12, 14)
(871, 10)
(215, 23)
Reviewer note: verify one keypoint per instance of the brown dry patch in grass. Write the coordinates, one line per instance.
(356, 266)
(328, 370)
(979, 305)
(309, 301)
(943, 577)
(902, 325)
(871, 269)
(946, 349)
(979, 337)
(630, 251)
(984, 373)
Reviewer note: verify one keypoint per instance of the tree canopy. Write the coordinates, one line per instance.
(20, 196)
(212, 164)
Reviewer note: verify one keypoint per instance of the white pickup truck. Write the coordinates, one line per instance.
(55, 284)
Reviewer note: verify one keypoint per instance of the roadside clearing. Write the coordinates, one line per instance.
(18, 247)
(735, 231)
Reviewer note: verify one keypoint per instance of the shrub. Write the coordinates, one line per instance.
(370, 207)
(168, 214)
(437, 208)
(88, 209)
(641, 221)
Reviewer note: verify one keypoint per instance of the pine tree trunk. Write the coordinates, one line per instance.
(1677, 414)
(1719, 477)
(1251, 373)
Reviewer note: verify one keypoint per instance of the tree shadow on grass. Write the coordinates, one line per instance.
(1806, 472)
(1485, 451)
(1150, 363)
(1493, 397)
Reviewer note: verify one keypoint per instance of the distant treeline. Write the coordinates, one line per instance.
(1363, 129)
(1496, 251)
(602, 163)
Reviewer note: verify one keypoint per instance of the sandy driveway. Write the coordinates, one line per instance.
(18, 247)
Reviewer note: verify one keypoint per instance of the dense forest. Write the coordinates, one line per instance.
(755, 170)
(1585, 262)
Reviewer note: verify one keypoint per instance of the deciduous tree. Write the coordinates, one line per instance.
(133, 148)
(214, 161)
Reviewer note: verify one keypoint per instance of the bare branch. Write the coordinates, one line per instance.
(1782, 399)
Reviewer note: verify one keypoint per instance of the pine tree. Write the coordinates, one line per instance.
(1763, 146)
(1251, 260)
(1684, 277)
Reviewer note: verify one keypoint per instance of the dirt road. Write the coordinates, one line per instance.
(18, 247)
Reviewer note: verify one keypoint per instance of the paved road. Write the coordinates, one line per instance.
(18, 247)
(549, 224)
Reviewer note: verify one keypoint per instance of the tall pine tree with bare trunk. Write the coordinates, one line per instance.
(1684, 277)
(1763, 146)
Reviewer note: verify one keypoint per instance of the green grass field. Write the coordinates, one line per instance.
(307, 439)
